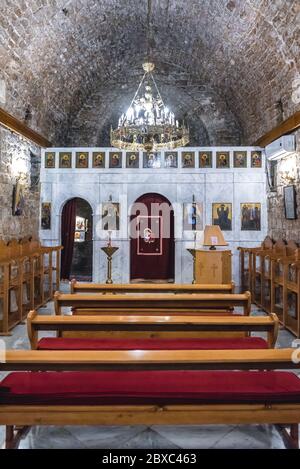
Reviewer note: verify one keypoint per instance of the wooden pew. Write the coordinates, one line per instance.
(152, 324)
(78, 287)
(275, 286)
(84, 304)
(18, 416)
(24, 267)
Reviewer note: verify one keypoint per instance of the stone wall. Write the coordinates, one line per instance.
(70, 67)
(18, 159)
(288, 172)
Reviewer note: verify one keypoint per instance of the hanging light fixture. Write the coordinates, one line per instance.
(148, 125)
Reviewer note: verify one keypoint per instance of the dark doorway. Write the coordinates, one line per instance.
(152, 245)
(77, 240)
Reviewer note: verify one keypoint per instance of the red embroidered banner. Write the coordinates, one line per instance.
(150, 231)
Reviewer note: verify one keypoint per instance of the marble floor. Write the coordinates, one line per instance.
(155, 437)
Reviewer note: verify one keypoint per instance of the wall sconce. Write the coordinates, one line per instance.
(288, 178)
(287, 171)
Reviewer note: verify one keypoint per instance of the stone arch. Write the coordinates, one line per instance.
(76, 234)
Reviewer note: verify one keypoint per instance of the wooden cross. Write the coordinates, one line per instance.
(214, 268)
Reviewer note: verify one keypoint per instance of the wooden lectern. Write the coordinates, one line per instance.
(213, 267)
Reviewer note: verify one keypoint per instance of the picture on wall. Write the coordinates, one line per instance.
(290, 206)
(256, 159)
(171, 159)
(152, 160)
(188, 159)
(81, 224)
(193, 216)
(205, 159)
(79, 236)
(240, 159)
(18, 199)
(65, 160)
(82, 160)
(222, 215)
(250, 217)
(99, 159)
(49, 160)
(46, 216)
(111, 216)
(132, 160)
(223, 159)
(115, 160)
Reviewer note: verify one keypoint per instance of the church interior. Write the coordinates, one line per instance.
(149, 224)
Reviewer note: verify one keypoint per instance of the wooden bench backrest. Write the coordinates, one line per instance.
(267, 359)
(14, 249)
(3, 251)
(152, 303)
(280, 247)
(292, 249)
(78, 287)
(110, 323)
(268, 243)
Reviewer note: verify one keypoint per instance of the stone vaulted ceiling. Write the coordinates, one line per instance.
(228, 66)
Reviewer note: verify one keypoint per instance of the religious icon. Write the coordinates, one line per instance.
(250, 217)
(222, 215)
(171, 160)
(188, 159)
(79, 236)
(223, 159)
(115, 160)
(46, 216)
(152, 160)
(65, 160)
(240, 159)
(193, 216)
(98, 160)
(49, 160)
(81, 224)
(82, 160)
(132, 160)
(111, 216)
(18, 199)
(256, 159)
(205, 159)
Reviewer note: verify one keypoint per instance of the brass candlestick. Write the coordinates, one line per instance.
(193, 252)
(109, 251)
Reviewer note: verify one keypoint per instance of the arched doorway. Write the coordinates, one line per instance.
(77, 240)
(152, 245)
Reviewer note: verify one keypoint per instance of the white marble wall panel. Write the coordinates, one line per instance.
(178, 185)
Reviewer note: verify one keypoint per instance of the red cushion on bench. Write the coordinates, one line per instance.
(149, 387)
(53, 343)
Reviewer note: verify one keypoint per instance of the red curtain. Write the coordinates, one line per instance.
(152, 256)
(67, 237)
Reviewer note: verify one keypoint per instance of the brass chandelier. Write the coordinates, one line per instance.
(148, 125)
